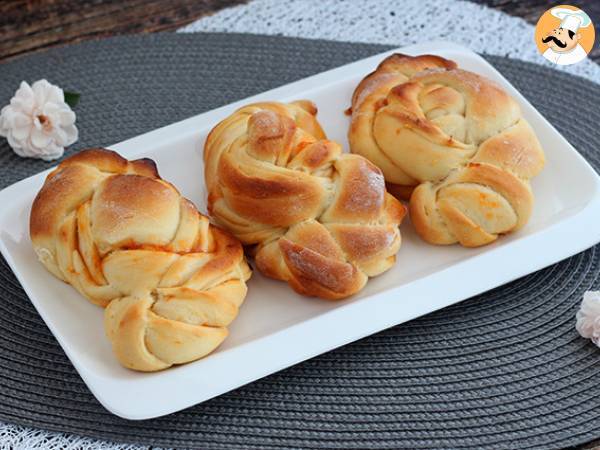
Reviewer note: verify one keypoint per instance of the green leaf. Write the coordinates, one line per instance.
(71, 98)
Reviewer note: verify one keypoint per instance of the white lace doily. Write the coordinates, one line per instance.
(394, 22)
(16, 437)
(373, 21)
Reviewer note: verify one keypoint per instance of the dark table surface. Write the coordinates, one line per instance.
(32, 25)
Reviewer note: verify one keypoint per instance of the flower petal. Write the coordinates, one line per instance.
(50, 109)
(51, 152)
(22, 132)
(13, 142)
(66, 117)
(40, 139)
(39, 92)
(55, 95)
(59, 136)
(44, 92)
(23, 99)
(21, 120)
(24, 92)
(72, 134)
(4, 122)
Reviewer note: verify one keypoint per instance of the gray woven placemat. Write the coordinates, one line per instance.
(505, 369)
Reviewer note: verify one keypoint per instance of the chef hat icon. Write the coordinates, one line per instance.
(570, 19)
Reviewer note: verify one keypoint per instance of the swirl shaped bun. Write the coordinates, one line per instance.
(128, 241)
(312, 216)
(452, 141)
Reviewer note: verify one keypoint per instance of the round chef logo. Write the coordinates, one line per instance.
(565, 35)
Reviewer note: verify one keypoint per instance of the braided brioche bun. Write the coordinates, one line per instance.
(312, 216)
(453, 142)
(128, 241)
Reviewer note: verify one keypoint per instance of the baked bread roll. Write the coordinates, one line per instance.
(126, 240)
(312, 216)
(453, 142)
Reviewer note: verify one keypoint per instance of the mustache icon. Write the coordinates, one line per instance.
(558, 42)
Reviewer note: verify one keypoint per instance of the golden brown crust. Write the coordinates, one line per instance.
(425, 123)
(315, 274)
(398, 65)
(305, 209)
(171, 282)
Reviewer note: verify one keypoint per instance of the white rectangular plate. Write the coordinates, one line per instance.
(277, 328)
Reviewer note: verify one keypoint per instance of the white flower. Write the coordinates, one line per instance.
(588, 317)
(38, 123)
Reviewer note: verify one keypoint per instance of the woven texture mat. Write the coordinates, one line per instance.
(505, 369)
